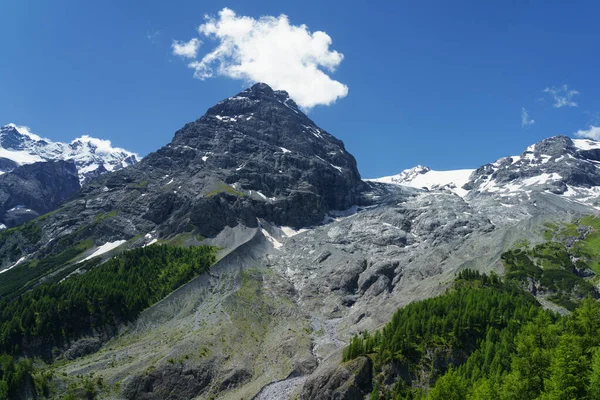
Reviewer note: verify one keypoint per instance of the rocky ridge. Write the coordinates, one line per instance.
(91, 156)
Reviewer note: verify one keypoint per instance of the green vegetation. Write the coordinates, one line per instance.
(141, 185)
(550, 265)
(12, 375)
(26, 275)
(103, 297)
(183, 239)
(105, 216)
(14, 240)
(224, 188)
(442, 331)
(30, 231)
(485, 339)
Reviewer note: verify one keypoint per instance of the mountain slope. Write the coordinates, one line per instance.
(310, 254)
(92, 157)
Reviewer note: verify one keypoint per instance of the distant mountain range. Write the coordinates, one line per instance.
(37, 175)
(91, 156)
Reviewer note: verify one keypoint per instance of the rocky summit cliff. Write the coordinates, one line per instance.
(35, 189)
(309, 254)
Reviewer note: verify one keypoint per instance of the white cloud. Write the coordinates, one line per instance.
(271, 50)
(593, 132)
(525, 121)
(186, 49)
(562, 95)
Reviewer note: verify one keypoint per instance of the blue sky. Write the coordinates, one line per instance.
(437, 83)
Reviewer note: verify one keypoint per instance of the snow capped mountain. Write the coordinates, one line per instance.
(423, 177)
(558, 165)
(92, 157)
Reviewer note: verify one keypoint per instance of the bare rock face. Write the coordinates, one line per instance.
(35, 189)
(349, 381)
(173, 382)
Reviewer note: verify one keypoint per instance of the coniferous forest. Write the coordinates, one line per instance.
(484, 339)
(103, 298)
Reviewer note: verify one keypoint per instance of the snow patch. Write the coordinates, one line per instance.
(586, 144)
(289, 232)
(14, 265)
(105, 248)
(276, 244)
(150, 242)
(423, 177)
(20, 157)
(336, 167)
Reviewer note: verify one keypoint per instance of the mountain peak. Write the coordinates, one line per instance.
(555, 145)
(254, 99)
(21, 130)
(92, 156)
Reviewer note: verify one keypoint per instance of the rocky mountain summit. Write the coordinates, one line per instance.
(92, 157)
(310, 254)
(254, 155)
(558, 165)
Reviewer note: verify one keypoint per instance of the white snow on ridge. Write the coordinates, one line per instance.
(105, 248)
(541, 179)
(20, 157)
(423, 177)
(89, 154)
(14, 265)
(586, 144)
(24, 130)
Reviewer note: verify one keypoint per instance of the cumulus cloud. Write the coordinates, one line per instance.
(593, 132)
(186, 49)
(525, 121)
(562, 96)
(271, 50)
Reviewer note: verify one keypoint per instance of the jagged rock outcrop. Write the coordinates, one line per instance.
(349, 381)
(31, 190)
